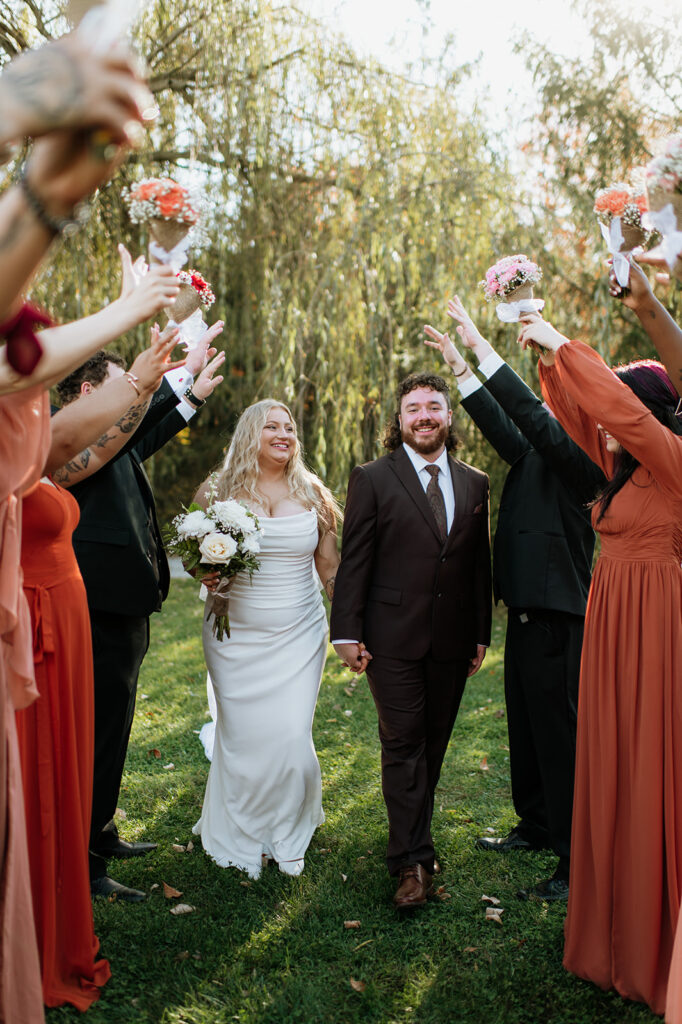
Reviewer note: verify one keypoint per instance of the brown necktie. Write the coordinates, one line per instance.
(435, 499)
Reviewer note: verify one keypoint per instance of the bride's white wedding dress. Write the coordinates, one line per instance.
(264, 791)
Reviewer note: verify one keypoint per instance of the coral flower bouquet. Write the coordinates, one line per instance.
(194, 293)
(165, 205)
(510, 282)
(224, 537)
(628, 205)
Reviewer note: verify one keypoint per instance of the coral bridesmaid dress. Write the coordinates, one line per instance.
(56, 741)
(626, 845)
(24, 443)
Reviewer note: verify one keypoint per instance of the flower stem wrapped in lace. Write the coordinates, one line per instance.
(224, 537)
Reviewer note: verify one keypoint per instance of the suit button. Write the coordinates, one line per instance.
(442, 559)
(439, 595)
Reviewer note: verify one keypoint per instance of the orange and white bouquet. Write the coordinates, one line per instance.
(170, 211)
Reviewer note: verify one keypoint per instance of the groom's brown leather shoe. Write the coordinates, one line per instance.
(414, 887)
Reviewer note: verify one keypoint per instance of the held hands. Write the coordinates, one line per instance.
(150, 365)
(467, 330)
(356, 657)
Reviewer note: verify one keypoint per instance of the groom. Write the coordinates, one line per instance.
(412, 606)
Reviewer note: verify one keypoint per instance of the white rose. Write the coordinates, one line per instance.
(251, 544)
(217, 548)
(194, 524)
(233, 516)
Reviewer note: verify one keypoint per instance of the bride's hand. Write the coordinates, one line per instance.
(210, 580)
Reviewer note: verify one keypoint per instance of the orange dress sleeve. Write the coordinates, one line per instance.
(587, 392)
(578, 423)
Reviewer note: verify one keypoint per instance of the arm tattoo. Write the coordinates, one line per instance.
(129, 421)
(50, 88)
(329, 587)
(73, 467)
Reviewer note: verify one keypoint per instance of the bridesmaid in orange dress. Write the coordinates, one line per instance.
(24, 442)
(56, 741)
(626, 845)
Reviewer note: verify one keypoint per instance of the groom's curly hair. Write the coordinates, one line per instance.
(392, 437)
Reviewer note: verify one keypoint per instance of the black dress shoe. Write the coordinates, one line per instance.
(106, 886)
(551, 889)
(122, 850)
(512, 841)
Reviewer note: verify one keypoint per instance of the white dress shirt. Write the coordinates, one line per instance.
(444, 478)
(180, 379)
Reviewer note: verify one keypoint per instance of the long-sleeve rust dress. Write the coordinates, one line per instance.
(56, 742)
(626, 843)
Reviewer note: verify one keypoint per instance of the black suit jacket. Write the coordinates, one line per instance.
(399, 588)
(117, 541)
(543, 546)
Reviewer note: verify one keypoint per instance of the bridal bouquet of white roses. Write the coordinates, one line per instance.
(224, 537)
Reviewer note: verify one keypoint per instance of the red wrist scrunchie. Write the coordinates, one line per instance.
(23, 348)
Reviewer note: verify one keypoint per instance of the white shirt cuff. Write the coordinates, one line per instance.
(179, 379)
(491, 365)
(185, 409)
(345, 642)
(468, 386)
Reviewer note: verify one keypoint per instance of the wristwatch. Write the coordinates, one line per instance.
(194, 399)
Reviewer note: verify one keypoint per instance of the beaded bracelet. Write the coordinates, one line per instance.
(55, 225)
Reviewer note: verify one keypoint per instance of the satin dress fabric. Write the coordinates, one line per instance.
(56, 742)
(626, 843)
(264, 791)
(24, 444)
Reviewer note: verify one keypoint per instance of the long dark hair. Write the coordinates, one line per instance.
(392, 437)
(650, 382)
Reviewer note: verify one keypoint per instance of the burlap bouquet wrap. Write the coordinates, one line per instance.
(633, 235)
(187, 302)
(167, 233)
(524, 291)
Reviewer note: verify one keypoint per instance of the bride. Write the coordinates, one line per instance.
(263, 797)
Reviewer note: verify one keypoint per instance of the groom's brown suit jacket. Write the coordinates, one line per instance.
(399, 588)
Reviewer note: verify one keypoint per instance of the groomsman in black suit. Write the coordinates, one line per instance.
(123, 562)
(542, 563)
(412, 605)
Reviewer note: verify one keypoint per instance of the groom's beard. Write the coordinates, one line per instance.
(426, 445)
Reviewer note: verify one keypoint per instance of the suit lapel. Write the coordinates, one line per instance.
(405, 471)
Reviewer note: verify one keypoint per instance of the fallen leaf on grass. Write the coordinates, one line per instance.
(470, 949)
(324, 851)
(494, 914)
(358, 986)
(348, 713)
(182, 956)
(499, 713)
(182, 908)
(491, 899)
(120, 813)
(344, 878)
(154, 752)
(491, 830)
(444, 896)
(170, 766)
(154, 886)
(352, 924)
(189, 847)
(484, 765)
(245, 885)
(440, 889)
(178, 848)
(169, 892)
(348, 692)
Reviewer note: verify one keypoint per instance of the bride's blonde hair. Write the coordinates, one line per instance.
(238, 475)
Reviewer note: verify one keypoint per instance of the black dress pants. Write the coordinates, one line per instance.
(541, 675)
(119, 644)
(417, 703)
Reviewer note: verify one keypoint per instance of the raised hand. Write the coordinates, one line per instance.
(64, 85)
(536, 330)
(206, 383)
(152, 293)
(150, 366)
(444, 345)
(638, 291)
(467, 330)
(131, 273)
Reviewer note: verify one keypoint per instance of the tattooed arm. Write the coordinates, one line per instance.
(327, 561)
(74, 454)
(665, 335)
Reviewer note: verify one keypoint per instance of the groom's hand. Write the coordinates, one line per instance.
(355, 656)
(476, 662)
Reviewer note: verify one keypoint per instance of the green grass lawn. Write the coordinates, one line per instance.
(277, 950)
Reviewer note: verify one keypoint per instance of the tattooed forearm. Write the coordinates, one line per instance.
(329, 587)
(47, 88)
(130, 420)
(73, 467)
